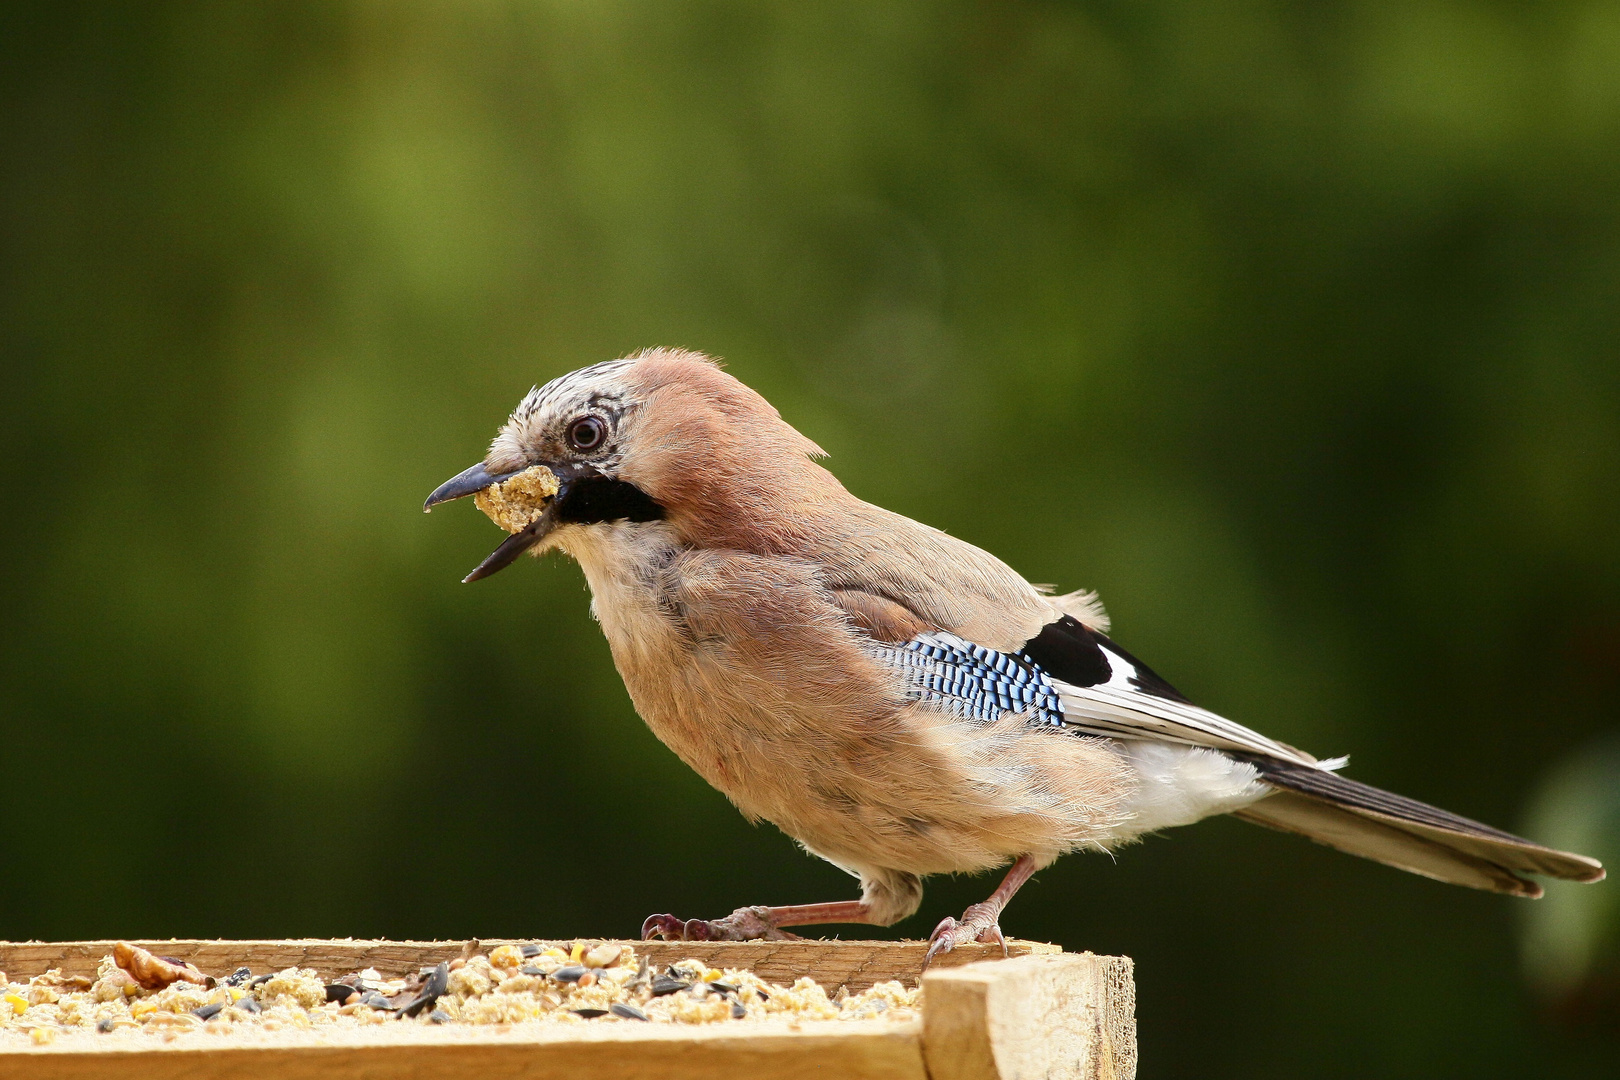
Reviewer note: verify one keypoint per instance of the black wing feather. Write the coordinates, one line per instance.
(1347, 792)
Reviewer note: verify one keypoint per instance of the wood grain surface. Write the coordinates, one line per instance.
(858, 1050)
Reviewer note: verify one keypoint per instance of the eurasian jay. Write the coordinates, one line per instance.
(895, 699)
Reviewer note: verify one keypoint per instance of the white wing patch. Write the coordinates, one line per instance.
(1117, 709)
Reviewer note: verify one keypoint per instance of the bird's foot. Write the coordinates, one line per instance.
(744, 924)
(980, 922)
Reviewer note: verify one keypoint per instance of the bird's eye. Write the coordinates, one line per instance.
(587, 433)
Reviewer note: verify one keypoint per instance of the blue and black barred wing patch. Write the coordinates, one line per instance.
(1073, 678)
(971, 681)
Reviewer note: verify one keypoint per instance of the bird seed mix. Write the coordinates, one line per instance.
(137, 994)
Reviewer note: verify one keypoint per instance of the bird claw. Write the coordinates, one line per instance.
(981, 923)
(667, 927)
(744, 924)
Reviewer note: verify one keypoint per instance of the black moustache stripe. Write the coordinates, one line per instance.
(593, 499)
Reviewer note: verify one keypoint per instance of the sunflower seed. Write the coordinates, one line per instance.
(437, 983)
(627, 1012)
(208, 1012)
(569, 974)
(663, 984)
(339, 992)
(589, 1014)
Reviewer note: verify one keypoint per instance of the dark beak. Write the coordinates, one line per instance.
(516, 544)
(476, 479)
(468, 482)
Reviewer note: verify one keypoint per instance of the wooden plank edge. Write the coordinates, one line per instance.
(860, 1050)
(1062, 1017)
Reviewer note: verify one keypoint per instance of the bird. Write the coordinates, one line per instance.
(898, 701)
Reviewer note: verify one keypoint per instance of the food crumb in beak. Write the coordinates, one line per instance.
(515, 503)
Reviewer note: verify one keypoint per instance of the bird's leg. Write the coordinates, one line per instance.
(980, 922)
(755, 923)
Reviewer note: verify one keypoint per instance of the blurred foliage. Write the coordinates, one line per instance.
(1293, 328)
(1572, 942)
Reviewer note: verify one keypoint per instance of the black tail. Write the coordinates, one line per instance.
(1392, 829)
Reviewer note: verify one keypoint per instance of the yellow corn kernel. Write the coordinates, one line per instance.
(555, 953)
(43, 1036)
(237, 993)
(577, 951)
(507, 956)
(142, 1009)
(18, 1003)
(712, 975)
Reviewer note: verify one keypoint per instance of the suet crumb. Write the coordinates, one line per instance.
(592, 982)
(515, 503)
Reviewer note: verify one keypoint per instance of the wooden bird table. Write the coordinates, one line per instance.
(1043, 1014)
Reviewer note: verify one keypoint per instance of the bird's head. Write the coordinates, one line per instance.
(661, 436)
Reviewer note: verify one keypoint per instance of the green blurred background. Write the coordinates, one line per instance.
(1292, 328)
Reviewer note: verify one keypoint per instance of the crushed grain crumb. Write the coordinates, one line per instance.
(518, 501)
